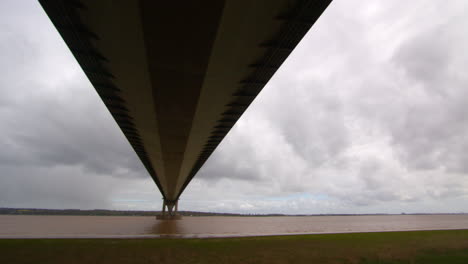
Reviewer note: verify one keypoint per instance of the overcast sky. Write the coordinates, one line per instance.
(368, 115)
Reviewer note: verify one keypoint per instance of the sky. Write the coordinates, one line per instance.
(367, 115)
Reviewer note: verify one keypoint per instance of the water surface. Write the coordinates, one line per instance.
(35, 226)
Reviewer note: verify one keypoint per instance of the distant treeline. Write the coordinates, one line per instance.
(102, 212)
(97, 212)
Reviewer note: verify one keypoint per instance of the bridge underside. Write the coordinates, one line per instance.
(177, 75)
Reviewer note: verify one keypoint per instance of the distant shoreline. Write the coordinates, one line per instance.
(104, 212)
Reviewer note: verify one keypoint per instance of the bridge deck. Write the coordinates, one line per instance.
(177, 75)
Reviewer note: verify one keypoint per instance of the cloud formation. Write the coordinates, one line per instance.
(367, 115)
(367, 112)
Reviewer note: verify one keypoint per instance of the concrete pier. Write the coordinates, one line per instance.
(172, 211)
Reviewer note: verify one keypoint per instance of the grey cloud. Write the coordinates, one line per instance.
(311, 120)
(51, 188)
(47, 131)
(59, 146)
(397, 89)
(433, 134)
(52, 117)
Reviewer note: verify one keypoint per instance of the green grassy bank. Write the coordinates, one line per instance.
(392, 247)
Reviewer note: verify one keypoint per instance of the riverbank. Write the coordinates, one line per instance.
(448, 246)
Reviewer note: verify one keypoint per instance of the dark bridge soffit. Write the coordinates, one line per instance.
(177, 76)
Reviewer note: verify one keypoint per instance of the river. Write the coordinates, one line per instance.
(38, 226)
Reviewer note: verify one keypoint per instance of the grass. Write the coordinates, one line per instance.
(388, 247)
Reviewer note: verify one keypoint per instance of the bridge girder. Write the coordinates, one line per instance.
(177, 75)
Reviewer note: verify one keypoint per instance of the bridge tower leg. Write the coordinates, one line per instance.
(172, 210)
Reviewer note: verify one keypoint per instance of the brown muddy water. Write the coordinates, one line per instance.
(34, 226)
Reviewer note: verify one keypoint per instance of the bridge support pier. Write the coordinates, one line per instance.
(172, 211)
